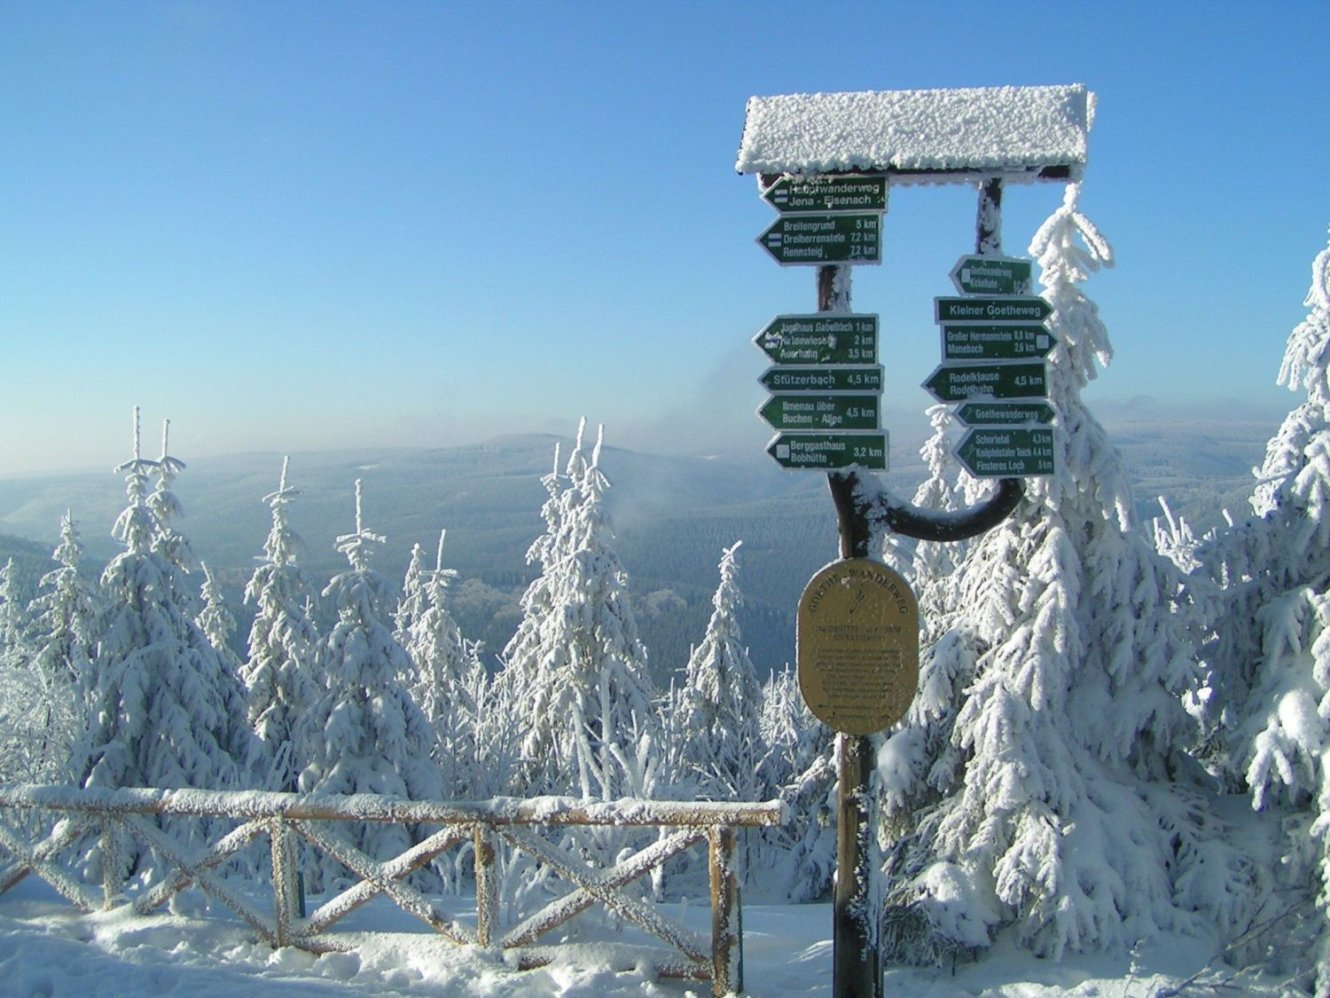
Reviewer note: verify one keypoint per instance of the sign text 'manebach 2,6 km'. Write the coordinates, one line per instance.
(995, 342)
(819, 239)
(998, 308)
(827, 451)
(821, 412)
(828, 193)
(821, 338)
(822, 379)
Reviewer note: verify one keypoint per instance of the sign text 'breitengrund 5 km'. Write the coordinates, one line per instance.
(822, 239)
(820, 338)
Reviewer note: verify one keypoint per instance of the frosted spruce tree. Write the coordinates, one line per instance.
(412, 603)
(363, 731)
(716, 717)
(64, 634)
(577, 660)
(15, 637)
(1270, 651)
(448, 684)
(1043, 792)
(165, 710)
(281, 672)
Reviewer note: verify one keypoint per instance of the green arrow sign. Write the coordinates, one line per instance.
(824, 451)
(822, 338)
(991, 275)
(819, 239)
(821, 412)
(838, 193)
(822, 379)
(1014, 308)
(959, 382)
(1007, 453)
(1003, 342)
(1004, 413)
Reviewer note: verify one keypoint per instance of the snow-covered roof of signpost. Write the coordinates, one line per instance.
(928, 136)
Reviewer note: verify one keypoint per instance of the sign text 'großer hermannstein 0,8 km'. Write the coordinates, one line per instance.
(1013, 308)
(999, 342)
(857, 646)
(820, 338)
(829, 451)
(822, 379)
(822, 239)
(828, 193)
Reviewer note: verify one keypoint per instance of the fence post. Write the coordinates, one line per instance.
(285, 886)
(112, 863)
(727, 966)
(487, 885)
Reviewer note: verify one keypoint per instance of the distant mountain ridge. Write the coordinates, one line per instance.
(672, 515)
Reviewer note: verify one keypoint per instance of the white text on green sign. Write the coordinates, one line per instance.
(991, 275)
(1002, 342)
(821, 338)
(822, 379)
(1007, 453)
(1004, 413)
(1011, 308)
(959, 382)
(831, 193)
(820, 239)
(826, 451)
(821, 412)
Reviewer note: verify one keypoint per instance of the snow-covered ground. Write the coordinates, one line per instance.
(48, 948)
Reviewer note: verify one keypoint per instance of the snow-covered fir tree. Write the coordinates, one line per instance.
(165, 711)
(716, 717)
(64, 628)
(585, 694)
(281, 671)
(216, 621)
(449, 684)
(1269, 703)
(363, 731)
(1048, 799)
(412, 602)
(15, 644)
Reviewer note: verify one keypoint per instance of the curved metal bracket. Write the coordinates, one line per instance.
(858, 514)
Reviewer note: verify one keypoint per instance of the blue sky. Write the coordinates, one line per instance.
(288, 226)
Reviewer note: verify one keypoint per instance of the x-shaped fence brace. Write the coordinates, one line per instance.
(120, 815)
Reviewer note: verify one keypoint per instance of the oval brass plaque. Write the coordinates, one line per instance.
(857, 646)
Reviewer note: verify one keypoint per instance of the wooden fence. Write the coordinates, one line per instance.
(119, 816)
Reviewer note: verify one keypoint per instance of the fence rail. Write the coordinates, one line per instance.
(284, 819)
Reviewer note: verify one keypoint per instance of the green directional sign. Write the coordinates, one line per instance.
(1004, 413)
(1007, 453)
(991, 275)
(827, 451)
(1011, 308)
(821, 412)
(821, 338)
(822, 379)
(1001, 342)
(830, 193)
(821, 239)
(960, 382)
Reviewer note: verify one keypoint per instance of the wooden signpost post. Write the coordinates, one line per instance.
(818, 158)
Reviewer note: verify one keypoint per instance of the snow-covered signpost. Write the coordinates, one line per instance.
(819, 158)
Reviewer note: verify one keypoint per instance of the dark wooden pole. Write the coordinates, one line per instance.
(856, 964)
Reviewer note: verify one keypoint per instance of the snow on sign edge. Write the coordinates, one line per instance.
(1000, 129)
